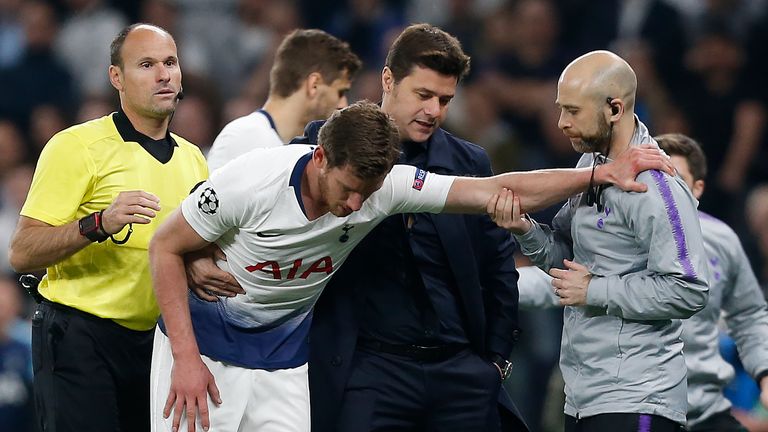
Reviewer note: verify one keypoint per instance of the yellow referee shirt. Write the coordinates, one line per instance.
(81, 170)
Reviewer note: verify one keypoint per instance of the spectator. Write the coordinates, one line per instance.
(16, 400)
(757, 215)
(12, 147)
(724, 115)
(521, 77)
(39, 77)
(80, 43)
(11, 33)
(14, 187)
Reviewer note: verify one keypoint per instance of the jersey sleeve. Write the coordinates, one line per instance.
(535, 289)
(746, 312)
(408, 189)
(63, 180)
(213, 208)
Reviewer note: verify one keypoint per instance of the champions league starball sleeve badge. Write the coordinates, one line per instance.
(208, 202)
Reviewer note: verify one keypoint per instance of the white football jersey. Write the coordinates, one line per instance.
(241, 135)
(252, 209)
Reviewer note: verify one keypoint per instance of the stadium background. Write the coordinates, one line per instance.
(702, 68)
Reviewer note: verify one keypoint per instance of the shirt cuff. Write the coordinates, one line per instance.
(533, 241)
(597, 292)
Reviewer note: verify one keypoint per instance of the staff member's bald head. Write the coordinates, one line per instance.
(594, 92)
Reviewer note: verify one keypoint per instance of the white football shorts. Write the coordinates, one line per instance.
(252, 399)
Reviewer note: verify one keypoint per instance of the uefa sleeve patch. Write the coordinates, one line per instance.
(419, 179)
(208, 202)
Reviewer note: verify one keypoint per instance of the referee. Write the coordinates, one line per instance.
(99, 191)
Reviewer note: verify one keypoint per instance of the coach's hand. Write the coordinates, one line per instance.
(571, 284)
(625, 168)
(191, 383)
(206, 279)
(129, 207)
(504, 209)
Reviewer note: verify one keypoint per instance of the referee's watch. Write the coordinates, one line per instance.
(504, 365)
(91, 228)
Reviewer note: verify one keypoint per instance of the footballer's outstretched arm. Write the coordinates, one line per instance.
(542, 188)
(191, 381)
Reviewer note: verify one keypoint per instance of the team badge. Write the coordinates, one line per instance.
(208, 202)
(418, 179)
(344, 237)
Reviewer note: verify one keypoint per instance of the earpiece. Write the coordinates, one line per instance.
(614, 107)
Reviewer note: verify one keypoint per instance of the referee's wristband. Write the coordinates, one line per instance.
(91, 227)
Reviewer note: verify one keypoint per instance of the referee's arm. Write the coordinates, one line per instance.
(37, 245)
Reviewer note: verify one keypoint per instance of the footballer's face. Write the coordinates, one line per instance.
(582, 119)
(682, 167)
(331, 97)
(419, 102)
(343, 191)
(150, 78)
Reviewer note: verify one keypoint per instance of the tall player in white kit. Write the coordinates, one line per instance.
(287, 218)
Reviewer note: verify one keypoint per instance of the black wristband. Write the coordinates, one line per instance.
(90, 227)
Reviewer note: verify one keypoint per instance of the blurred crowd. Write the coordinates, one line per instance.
(701, 67)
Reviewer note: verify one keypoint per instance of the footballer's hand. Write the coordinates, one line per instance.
(623, 171)
(206, 279)
(750, 421)
(129, 207)
(571, 284)
(504, 209)
(764, 391)
(191, 383)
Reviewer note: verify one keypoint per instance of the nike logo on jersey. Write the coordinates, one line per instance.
(263, 234)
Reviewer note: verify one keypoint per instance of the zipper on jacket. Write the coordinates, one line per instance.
(620, 351)
(577, 361)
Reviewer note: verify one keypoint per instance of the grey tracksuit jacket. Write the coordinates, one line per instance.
(734, 293)
(622, 352)
(734, 290)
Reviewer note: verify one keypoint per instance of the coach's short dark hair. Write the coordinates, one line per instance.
(116, 48)
(430, 47)
(363, 137)
(676, 144)
(305, 51)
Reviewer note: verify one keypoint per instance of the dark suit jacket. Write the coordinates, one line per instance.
(480, 256)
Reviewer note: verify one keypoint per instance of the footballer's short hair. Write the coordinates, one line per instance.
(430, 47)
(305, 51)
(675, 144)
(362, 137)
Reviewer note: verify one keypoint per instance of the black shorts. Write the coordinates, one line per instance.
(622, 422)
(91, 374)
(723, 421)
